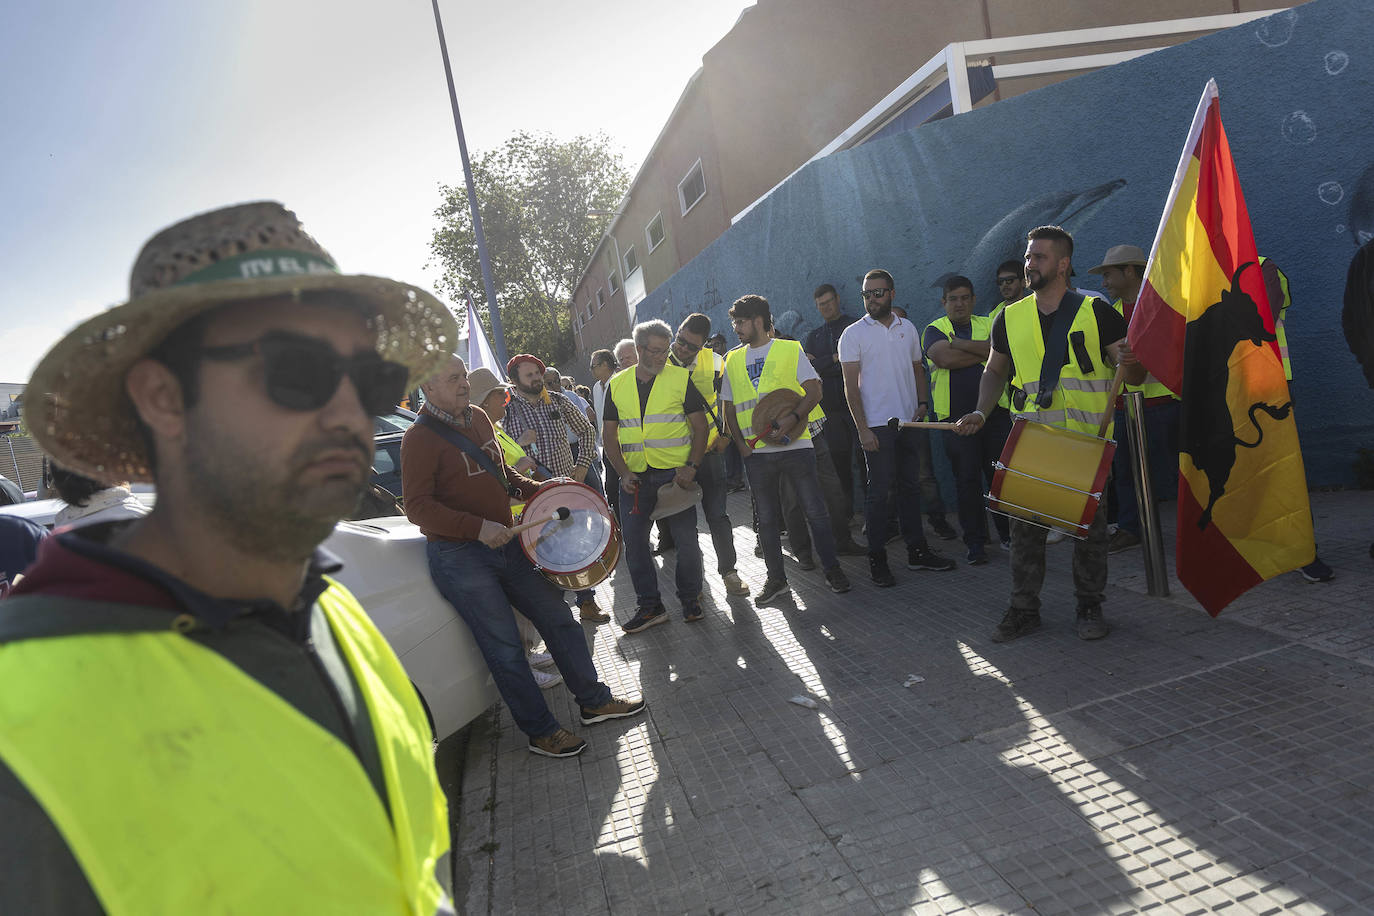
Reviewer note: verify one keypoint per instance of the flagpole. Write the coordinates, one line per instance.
(498, 335)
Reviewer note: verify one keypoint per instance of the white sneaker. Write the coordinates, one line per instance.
(540, 659)
(1054, 537)
(546, 679)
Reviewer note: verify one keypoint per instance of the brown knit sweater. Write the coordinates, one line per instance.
(447, 493)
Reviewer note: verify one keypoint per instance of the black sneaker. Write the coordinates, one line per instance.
(771, 589)
(977, 556)
(877, 568)
(692, 613)
(806, 561)
(1015, 624)
(1090, 623)
(644, 618)
(925, 558)
(943, 528)
(839, 582)
(1317, 571)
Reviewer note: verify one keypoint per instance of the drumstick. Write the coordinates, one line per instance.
(559, 514)
(772, 427)
(895, 424)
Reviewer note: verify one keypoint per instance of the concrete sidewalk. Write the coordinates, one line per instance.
(1183, 764)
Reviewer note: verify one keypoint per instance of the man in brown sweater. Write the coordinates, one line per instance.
(477, 564)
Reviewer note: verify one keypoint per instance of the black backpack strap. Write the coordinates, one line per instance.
(470, 448)
(1057, 346)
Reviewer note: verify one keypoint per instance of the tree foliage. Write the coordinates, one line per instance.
(533, 193)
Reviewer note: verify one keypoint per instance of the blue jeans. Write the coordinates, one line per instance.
(483, 584)
(897, 460)
(766, 470)
(635, 509)
(1161, 447)
(711, 476)
(972, 457)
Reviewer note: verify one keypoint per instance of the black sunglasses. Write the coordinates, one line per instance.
(303, 373)
(689, 347)
(1003, 281)
(876, 293)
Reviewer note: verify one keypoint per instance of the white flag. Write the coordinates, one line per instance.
(479, 348)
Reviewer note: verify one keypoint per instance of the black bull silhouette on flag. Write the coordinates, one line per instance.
(1207, 433)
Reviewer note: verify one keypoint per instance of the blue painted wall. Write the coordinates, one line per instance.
(1095, 154)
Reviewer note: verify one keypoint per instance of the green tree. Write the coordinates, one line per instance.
(533, 193)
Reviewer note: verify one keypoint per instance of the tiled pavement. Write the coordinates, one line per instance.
(1182, 765)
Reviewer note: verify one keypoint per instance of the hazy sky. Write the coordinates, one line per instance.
(120, 118)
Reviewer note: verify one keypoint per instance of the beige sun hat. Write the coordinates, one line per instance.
(1120, 256)
(483, 382)
(76, 404)
(673, 499)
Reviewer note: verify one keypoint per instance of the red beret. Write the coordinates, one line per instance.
(523, 358)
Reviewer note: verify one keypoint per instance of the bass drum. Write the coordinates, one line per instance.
(577, 552)
(1051, 477)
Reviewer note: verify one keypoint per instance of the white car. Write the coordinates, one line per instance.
(386, 570)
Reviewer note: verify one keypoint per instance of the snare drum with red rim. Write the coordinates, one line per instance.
(1052, 477)
(577, 552)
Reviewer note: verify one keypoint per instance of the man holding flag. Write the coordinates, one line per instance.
(1075, 394)
(1204, 325)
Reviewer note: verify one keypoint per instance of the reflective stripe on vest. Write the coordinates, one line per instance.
(1080, 401)
(779, 371)
(661, 436)
(513, 452)
(1279, 330)
(181, 784)
(940, 378)
(1151, 387)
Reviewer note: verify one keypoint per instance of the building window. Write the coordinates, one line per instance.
(653, 233)
(631, 261)
(614, 283)
(692, 188)
(600, 298)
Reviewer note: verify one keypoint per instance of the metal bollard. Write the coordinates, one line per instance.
(1151, 539)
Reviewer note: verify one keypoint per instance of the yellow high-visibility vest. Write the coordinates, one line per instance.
(709, 364)
(1151, 387)
(779, 371)
(512, 451)
(660, 435)
(1279, 331)
(939, 378)
(1080, 400)
(183, 785)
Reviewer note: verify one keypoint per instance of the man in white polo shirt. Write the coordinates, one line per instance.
(880, 355)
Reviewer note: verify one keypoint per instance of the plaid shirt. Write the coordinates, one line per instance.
(549, 422)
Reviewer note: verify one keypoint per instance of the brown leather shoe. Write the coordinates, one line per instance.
(561, 743)
(590, 613)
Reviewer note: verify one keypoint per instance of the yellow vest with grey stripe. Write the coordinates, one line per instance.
(709, 364)
(1151, 387)
(981, 329)
(512, 451)
(659, 436)
(779, 371)
(1280, 331)
(183, 785)
(1080, 399)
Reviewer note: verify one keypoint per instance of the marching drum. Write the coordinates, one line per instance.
(573, 552)
(1051, 477)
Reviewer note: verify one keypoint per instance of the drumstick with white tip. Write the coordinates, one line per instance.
(559, 514)
(894, 424)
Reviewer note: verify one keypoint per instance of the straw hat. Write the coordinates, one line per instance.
(1120, 256)
(483, 382)
(76, 405)
(673, 499)
(777, 403)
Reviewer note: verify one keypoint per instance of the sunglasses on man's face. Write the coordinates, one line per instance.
(303, 373)
(689, 347)
(876, 293)
(1006, 281)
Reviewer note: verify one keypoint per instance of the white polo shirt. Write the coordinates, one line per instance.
(887, 386)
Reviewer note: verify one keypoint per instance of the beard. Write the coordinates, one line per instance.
(878, 312)
(265, 510)
(1036, 281)
(533, 388)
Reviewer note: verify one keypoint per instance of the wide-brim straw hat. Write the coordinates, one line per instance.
(776, 403)
(482, 382)
(673, 499)
(1120, 256)
(76, 405)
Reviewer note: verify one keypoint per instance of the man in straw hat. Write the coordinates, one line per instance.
(655, 434)
(764, 365)
(450, 462)
(189, 707)
(1123, 272)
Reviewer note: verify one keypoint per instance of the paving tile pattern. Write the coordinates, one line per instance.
(1183, 765)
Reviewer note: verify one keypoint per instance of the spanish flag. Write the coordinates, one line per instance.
(1205, 328)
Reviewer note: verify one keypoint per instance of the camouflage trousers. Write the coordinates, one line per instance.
(1028, 564)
